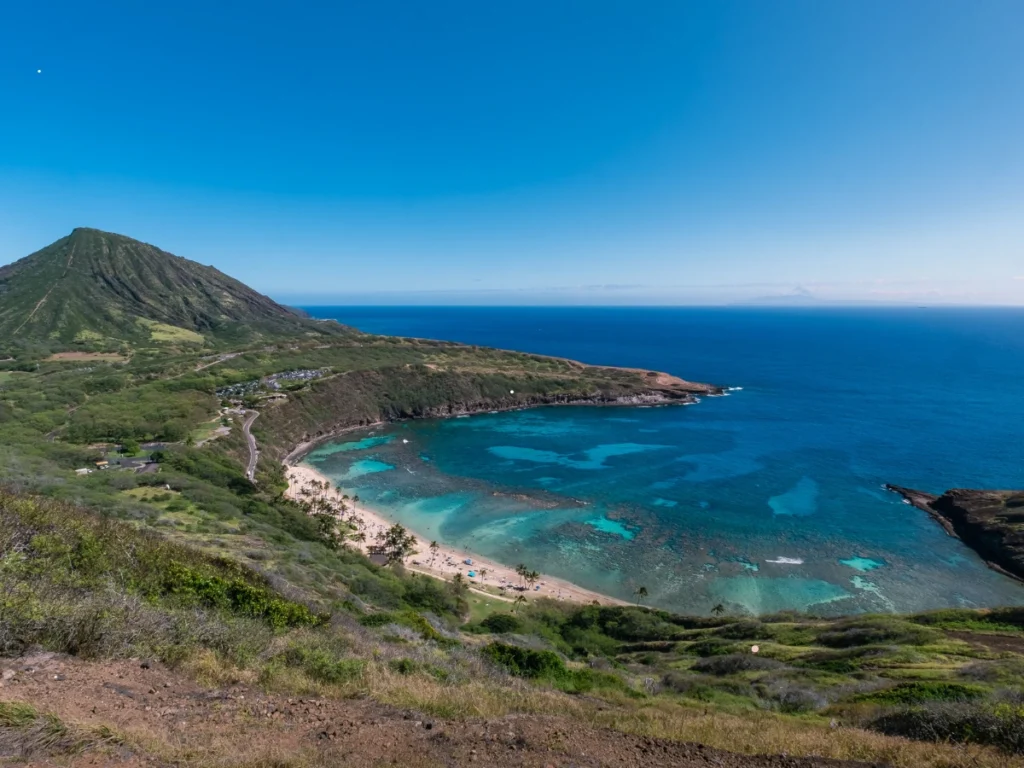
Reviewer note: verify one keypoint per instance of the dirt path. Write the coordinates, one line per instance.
(168, 720)
(71, 257)
(220, 359)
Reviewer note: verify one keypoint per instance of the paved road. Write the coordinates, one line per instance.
(250, 471)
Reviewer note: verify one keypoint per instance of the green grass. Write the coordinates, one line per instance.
(170, 333)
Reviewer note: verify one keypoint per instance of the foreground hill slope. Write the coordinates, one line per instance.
(121, 646)
(96, 289)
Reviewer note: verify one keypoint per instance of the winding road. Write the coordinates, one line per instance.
(250, 470)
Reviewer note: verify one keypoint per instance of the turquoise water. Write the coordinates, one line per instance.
(769, 498)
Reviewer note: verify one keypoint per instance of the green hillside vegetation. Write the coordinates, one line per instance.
(96, 290)
(90, 585)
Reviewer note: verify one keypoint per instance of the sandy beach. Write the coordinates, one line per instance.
(491, 578)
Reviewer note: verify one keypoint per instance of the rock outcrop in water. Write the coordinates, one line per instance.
(989, 522)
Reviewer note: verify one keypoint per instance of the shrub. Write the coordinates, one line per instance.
(858, 632)
(742, 630)
(409, 619)
(790, 697)
(237, 596)
(1000, 619)
(735, 662)
(403, 666)
(548, 666)
(998, 725)
(691, 686)
(323, 665)
(525, 662)
(711, 646)
(501, 623)
(924, 690)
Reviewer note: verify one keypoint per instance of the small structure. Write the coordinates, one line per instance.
(83, 471)
(377, 554)
(102, 464)
(472, 574)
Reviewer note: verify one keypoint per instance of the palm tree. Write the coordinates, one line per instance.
(640, 593)
(520, 600)
(433, 550)
(522, 570)
(718, 610)
(532, 578)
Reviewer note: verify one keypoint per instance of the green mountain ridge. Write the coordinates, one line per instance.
(95, 290)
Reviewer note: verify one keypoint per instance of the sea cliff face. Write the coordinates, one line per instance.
(989, 522)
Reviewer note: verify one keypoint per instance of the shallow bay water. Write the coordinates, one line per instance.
(767, 499)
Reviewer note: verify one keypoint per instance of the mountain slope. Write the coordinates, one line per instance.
(96, 289)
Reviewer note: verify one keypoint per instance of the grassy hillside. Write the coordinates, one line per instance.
(95, 290)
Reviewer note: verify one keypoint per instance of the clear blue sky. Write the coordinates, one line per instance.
(563, 152)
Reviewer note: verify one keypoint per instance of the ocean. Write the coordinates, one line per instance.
(767, 499)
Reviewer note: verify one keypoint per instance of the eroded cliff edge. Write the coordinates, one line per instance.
(989, 522)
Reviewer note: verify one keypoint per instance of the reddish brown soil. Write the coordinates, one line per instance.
(170, 720)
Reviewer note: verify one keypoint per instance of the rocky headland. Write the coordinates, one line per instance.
(989, 522)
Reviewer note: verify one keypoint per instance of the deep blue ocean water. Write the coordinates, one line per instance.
(769, 498)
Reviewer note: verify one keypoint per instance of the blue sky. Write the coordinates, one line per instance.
(532, 152)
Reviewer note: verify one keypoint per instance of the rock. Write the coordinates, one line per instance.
(986, 521)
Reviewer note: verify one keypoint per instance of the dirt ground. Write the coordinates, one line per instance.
(165, 719)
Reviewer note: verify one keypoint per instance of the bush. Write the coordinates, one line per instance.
(525, 662)
(409, 619)
(237, 596)
(548, 666)
(742, 630)
(712, 646)
(501, 623)
(323, 664)
(791, 697)
(1000, 619)
(858, 632)
(736, 662)
(997, 725)
(925, 690)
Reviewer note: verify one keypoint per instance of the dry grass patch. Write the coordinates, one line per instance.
(767, 733)
(109, 357)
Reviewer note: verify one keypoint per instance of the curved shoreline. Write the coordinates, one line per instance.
(448, 560)
(303, 448)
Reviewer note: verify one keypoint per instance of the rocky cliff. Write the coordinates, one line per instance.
(989, 522)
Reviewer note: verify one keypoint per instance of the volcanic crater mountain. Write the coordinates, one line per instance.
(96, 290)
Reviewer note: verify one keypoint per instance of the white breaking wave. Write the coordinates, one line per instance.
(786, 561)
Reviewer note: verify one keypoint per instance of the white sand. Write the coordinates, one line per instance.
(447, 561)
